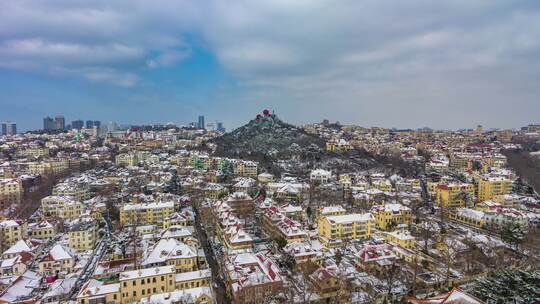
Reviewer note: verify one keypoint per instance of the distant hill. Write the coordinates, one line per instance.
(267, 139)
(267, 135)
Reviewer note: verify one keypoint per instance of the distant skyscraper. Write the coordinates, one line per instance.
(89, 124)
(220, 127)
(97, 124)
(200, 125)
(77, 124)
(9, 128)
(59, 122)
(48, 124)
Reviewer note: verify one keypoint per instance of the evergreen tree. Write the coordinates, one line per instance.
(513, 233)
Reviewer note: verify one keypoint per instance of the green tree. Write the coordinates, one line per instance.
(281, 242)
(513, 233)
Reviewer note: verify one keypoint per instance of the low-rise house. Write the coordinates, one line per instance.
(251, 278)
(302, 252)
(20, 246)
(59, 260)
(375, 257)
(175, 253)
(320, 176)
(16, 265)
(500, 216)
(326, 283)
(468, 216)
(400, 238)
(22, 290)
(59, 291)
(196, 295)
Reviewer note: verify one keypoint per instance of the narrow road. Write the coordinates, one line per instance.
(89, 268)
(219, 286)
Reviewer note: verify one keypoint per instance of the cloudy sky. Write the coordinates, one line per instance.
(444, 64)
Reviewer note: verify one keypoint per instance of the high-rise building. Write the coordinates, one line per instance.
(97, 124)
(9, 128)
(220, 127)
(89, 124)
(77, 124)
(48, 124)
(59, 123)
(201, 125)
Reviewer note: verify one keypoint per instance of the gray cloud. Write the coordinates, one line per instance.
(402, 63)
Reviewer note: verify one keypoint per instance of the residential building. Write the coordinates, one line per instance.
(335, 230)
(126, 159)
(375, 257)
(83, 235)
(12, 231)
(331, 210)
(320, 175)
(196, 295)
(278, 226)
(490, 187)
(246, 168)
(45, 229)
(468, 216)
(172, 252)
(16, 265)
(9, 128)
(153, 213)
(454, 195)
(63, 207)
(77, 191)
(59, 260)
(401, 238)
(498, 217)
(390, 216)
(252, 278)
(137, 284)
(10, 192)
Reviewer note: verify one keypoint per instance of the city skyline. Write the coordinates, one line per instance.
(446, 65)
(217, 124)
